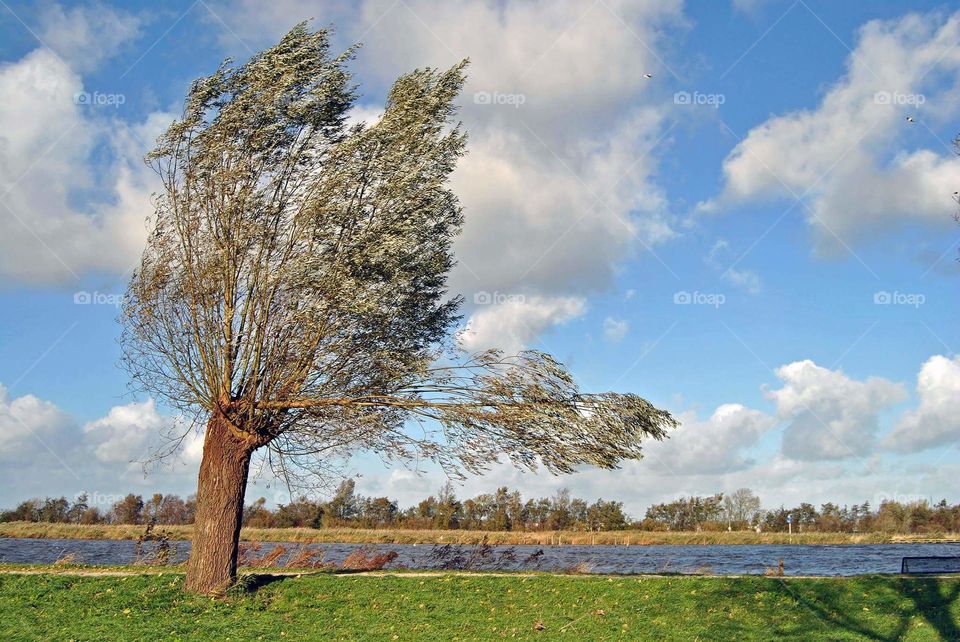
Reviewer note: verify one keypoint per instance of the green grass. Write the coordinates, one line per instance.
(401, 536)
(481, 607)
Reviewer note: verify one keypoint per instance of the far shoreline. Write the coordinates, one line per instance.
(40, 530)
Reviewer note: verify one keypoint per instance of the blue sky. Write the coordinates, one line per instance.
(773, 259)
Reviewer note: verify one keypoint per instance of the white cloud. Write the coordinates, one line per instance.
(403, 482)
(27, 424)
(936, 421)
(848, 155)
(513, 324)
(714, 446)
(615, 329)
(831, 415)
(48, 145)
(86, 35)
(191, 449)
(532, 224)
(45, 452)
(136, 432)
(367, 114)
(125, 433)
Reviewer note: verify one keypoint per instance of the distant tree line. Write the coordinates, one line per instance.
(503, 510)
(506, 510)
(741, 510)
(131, 509)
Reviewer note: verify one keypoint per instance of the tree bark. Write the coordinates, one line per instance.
(212, 567)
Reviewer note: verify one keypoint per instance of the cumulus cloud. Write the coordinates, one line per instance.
(48, 149)
(847, 157)
(136, 432)
(512, 325)
(124, 434)
(45, 451)
(712, 446)
(831, 415)
(936, 420)
(29, 424)
(86, 35)
(615, 329)
(532, 224)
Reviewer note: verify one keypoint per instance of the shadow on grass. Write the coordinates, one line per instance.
(932, 599)
(250, 583)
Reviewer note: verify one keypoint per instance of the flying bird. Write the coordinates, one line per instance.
(910, 119)
(648, 75)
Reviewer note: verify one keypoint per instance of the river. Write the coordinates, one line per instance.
(727, 559)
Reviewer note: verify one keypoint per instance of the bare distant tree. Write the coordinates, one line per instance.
(292, 295)
(741, 507)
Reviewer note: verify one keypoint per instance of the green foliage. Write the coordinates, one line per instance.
(687, 513)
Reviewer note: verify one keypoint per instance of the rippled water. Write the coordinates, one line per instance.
(845, 559)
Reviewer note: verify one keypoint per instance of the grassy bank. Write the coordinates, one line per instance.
(481, 607)
(394, 536)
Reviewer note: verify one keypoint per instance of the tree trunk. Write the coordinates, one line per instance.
(212, 567)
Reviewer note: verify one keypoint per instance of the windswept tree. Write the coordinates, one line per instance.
(292, 295)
